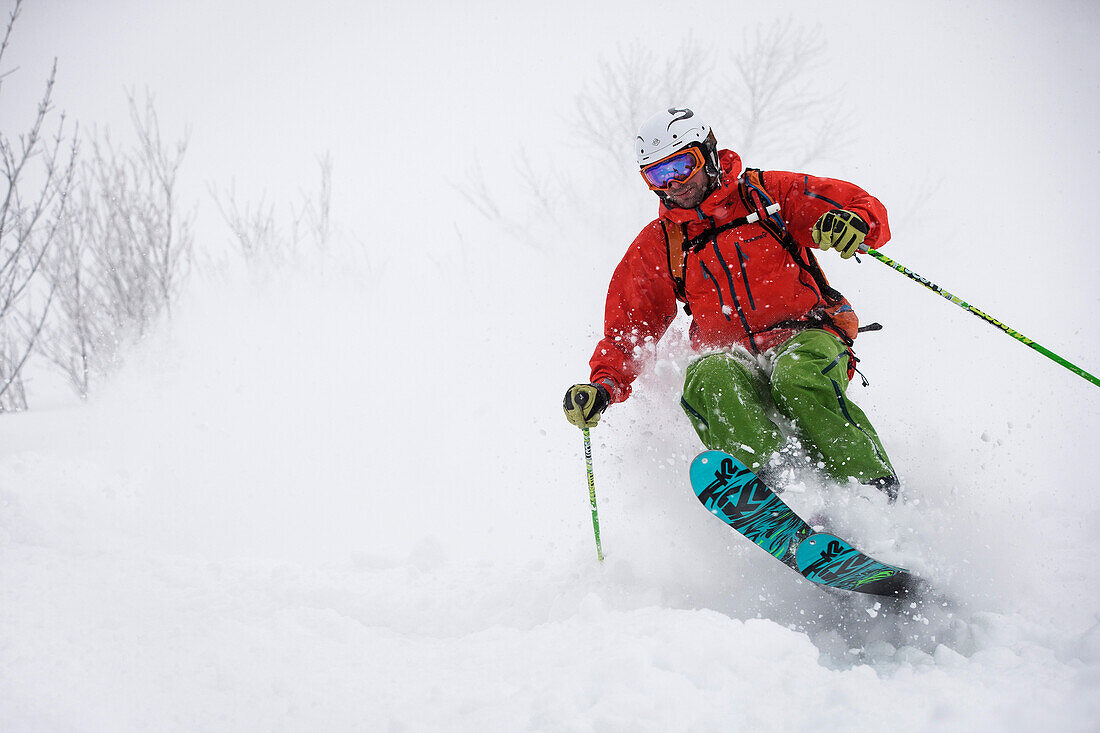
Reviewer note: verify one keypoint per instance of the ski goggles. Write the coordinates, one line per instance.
(680, 166)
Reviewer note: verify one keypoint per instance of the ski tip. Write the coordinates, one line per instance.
(829, 560)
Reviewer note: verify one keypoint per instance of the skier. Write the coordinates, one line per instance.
(775, 340)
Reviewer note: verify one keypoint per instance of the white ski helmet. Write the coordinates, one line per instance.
(667, 132)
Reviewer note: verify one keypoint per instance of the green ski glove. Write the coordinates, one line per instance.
(584, 403)
(840, 229)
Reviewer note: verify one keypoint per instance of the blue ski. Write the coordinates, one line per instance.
(829, 560)
(734, 494)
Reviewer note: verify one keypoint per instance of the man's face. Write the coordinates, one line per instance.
(690, 193)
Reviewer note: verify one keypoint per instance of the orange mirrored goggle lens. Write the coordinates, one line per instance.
(679, 166)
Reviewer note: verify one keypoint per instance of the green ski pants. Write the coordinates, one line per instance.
(731, 402)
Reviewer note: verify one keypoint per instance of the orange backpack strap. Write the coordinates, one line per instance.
(676, 253)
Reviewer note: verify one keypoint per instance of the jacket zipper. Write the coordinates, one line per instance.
(733, 292)
(721, 300)
(744, 269)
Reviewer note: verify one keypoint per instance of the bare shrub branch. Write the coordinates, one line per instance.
(779, 110)
(38, 172)
(252, 225)
(123, 252)
(475, 190)
(263, 241)
(632, 86)
(763, 100)
(315, 217)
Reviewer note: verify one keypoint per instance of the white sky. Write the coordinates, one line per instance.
(266, 86)
(970, 115)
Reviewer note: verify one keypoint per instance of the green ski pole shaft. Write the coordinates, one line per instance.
(592, 492)
(980, 314)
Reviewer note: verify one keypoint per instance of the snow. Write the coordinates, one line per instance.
(345, 498)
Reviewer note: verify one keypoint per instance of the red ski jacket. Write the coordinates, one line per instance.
(742, 286)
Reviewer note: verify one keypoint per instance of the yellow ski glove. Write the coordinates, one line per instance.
(584, 403)
(840, 229)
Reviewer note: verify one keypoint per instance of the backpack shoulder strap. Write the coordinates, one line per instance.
(755, 197)
(676, 253)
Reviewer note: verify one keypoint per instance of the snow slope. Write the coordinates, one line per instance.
(344, 498)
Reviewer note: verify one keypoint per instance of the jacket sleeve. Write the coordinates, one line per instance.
(804, 198)
(641, 303)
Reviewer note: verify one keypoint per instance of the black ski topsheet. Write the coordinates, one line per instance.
(734, 494)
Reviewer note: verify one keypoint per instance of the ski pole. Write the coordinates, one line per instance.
(592, 492)
(980, 314)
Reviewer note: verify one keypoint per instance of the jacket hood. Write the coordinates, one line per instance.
(720, 200)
